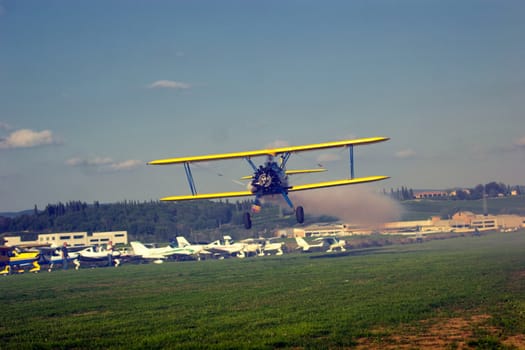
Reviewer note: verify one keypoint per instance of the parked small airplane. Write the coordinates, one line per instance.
(307, 247)
(198, 249)
(272, 178)
(265, 246)
(270, 247)
(99, 254)
(252, 247)
(226, 247)
(14, 260)
(160, 253)
(332, 243)
(53, 256)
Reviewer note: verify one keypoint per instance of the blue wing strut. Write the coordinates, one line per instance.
(191, 182)
(287, 199)
(351, 149)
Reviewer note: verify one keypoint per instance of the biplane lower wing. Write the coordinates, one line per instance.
(334, 183)
(311, 186)
(208, 196)
(304, 171)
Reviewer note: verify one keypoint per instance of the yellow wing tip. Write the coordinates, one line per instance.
(159, 162)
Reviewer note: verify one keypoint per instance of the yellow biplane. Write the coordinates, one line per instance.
(271, 178)
(14, 260)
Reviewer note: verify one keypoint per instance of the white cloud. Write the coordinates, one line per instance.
(406, 153)
(96, 161)
(25, 138)
(5, 126)
(103, 163)
(126, 165)
(169, 84)
(520, 142)
(277, 144)
(328, 157)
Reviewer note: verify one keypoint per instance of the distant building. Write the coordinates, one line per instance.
(58, 239)
(434, 224)
(116, 237)
(430, 194)
(71, 238)
(463, 221)
(454, 193)
(326, 230)
(290, 232)
(323, 230)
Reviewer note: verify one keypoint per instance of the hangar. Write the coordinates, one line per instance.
(71, 238)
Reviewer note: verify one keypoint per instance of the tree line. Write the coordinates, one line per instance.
(148, 221)
(200, 220)
(490, 190)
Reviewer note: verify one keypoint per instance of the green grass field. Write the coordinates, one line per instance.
(466, 292)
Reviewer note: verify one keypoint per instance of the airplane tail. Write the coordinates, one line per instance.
(139, 248)
(302, 243)
(182, 242)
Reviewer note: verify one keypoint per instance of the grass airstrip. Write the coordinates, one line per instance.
(460, 293)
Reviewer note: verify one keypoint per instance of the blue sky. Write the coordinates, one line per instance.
(92, 90)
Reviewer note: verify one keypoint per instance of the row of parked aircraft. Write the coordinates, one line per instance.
(226, 247)
(221, 248)
(18, 259)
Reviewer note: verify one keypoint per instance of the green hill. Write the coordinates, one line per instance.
(204, 220)
(425, 208)
(151, 221)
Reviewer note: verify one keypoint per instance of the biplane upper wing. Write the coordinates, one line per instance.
(269, 151)
(333, 183)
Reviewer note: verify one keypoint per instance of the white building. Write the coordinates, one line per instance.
(460, 222)
(71, 238)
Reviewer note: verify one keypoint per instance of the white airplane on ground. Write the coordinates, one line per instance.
(270, 247)
(53, 256)
(96, 254)
(306, 247)
(264, 246)
(197, 249)
(226, 247)
(332, 243)
(160, 253)
(252, 247)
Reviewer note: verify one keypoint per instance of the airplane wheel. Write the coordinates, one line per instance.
(299, 214)
(247, 221)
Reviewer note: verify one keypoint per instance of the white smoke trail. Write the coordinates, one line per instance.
(352, 204)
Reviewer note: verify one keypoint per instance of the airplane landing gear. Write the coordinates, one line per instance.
(247, 220)
(299, 214)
